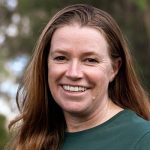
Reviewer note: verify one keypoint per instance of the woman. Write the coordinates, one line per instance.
(80, 90)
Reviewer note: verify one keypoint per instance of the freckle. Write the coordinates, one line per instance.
(93, 98)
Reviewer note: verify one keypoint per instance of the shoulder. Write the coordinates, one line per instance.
(134, 129)
(129, 123)
(143, 143)
(141, 128)
(138, 123)
(135, 123)
(137, 130)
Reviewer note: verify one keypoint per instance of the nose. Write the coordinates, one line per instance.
(74, 71)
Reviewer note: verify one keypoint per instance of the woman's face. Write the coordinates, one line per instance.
(79, 69)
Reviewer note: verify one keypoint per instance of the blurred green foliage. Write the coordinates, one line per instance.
(142, 4)
(3, 132)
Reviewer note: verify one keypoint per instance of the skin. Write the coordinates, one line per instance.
(79, 56)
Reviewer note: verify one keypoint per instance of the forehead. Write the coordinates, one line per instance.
(78, 37)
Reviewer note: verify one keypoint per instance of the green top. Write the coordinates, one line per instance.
(124, 131)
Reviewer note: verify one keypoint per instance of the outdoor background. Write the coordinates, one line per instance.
(22, 21)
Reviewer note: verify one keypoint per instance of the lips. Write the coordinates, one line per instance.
(74, 88)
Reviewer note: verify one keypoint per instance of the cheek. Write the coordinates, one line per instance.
(55, 72)
(110, 74)
(98, 80)
(100, 74)
(52, 80)
(52, 74)
(107, 72)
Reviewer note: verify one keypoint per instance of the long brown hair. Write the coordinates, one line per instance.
(42, 123)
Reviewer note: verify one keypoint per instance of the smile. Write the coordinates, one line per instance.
(74, 88)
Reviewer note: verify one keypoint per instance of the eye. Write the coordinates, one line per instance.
(60, 58)
(91, 60)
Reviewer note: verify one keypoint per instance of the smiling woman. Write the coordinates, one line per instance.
(80, 90)
(75, 68)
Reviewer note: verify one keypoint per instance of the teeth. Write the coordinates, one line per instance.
(74, 88)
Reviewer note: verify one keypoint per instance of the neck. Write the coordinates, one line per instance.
(77, 123)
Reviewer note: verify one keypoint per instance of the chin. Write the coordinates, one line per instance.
(78, 111)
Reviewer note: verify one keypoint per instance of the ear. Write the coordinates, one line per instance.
(116, 64)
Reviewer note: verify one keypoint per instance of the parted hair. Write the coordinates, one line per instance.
(41, 124)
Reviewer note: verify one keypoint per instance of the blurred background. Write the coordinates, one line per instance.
(21, 22)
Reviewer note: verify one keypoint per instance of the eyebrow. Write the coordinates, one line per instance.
(67, 53)
(58, 51)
